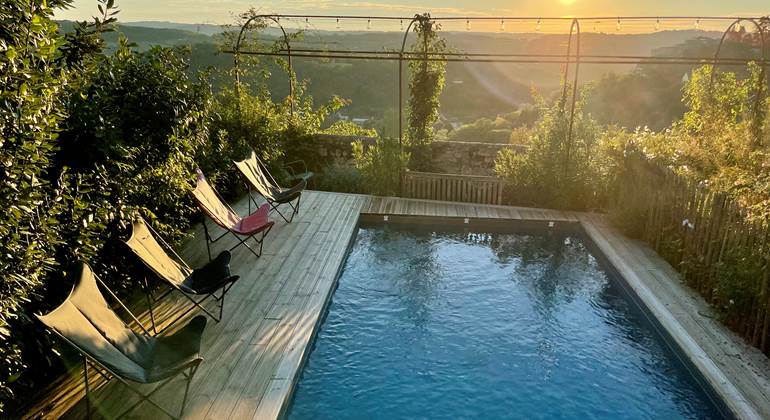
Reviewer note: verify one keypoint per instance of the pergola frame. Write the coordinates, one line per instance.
(566, 59)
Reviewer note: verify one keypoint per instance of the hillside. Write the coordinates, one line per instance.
(473, 90)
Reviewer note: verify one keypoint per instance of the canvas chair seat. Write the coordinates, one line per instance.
(204, 281)
(285, 196)
(213, 206)
(254, 223)
(259, 179)
(86, 320)
(211, 277)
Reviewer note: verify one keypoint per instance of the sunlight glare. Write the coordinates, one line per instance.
(567, 2)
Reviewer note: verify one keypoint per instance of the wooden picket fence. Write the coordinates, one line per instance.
(719, 247)
(451, 187)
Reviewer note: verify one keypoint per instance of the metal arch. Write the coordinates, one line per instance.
(732, 26)
(574, 28)
(763, 67)
(237, 51)
(401, 98)
(401, 82)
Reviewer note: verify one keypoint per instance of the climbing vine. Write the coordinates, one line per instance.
(427, 79)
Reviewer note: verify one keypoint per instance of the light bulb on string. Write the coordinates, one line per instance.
(338, 23)
(538, 26)
(307, 23)
(697, 24)
(618, 27)
(402, 24)
(596, 26)
(467, 24)
(369, 24)
(502, 26)
(657, 24)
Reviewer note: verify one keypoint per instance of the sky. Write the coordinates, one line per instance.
(223, 11)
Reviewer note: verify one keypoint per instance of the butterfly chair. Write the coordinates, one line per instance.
(217, 209)
(259, 179)
(195, 285)
(114, 350)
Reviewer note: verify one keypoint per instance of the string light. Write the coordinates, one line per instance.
(467, 24)
(539, 24)
(697, 24)
(338, 23)
(502, 25)
(402, 24)
(369, 24)
(618, 27)
(596, 24)
(657, 24)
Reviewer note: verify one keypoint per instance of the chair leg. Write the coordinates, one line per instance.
(275, 208)
(208, 237)
(190, 375)
(88, 393)
(148, 293)
(222, 302)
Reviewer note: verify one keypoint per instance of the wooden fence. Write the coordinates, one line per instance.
(719, 247)
(449, 187)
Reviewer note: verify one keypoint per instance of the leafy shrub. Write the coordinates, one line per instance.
(245, 121)
(340, 177)
(381, 165)
(37, 67)
(553, 173)
(142, 120)
(349, 128)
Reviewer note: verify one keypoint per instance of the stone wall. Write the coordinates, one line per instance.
(453, 157)
(467, 158)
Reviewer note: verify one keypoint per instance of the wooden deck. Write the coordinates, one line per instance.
(254, 356)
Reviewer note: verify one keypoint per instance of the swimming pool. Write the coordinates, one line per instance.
(441, 324)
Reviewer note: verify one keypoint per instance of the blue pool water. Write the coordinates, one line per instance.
(461, 325)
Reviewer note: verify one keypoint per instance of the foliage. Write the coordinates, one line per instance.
(349, 128)
(698, 192)
(427, 78)
(246, 121)
(36, 68)
(553, 172)
(343, 178)
(722, 138)
(381, 165)
(498, 130)
(142, 119)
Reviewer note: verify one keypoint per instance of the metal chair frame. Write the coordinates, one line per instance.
(273, 206)
(109, 375)
(196, 302)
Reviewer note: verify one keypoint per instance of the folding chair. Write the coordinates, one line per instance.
(114, 350)
(259, 179)
(217, 209)
(192, 284)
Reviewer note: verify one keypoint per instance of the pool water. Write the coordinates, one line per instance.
(487, 325)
